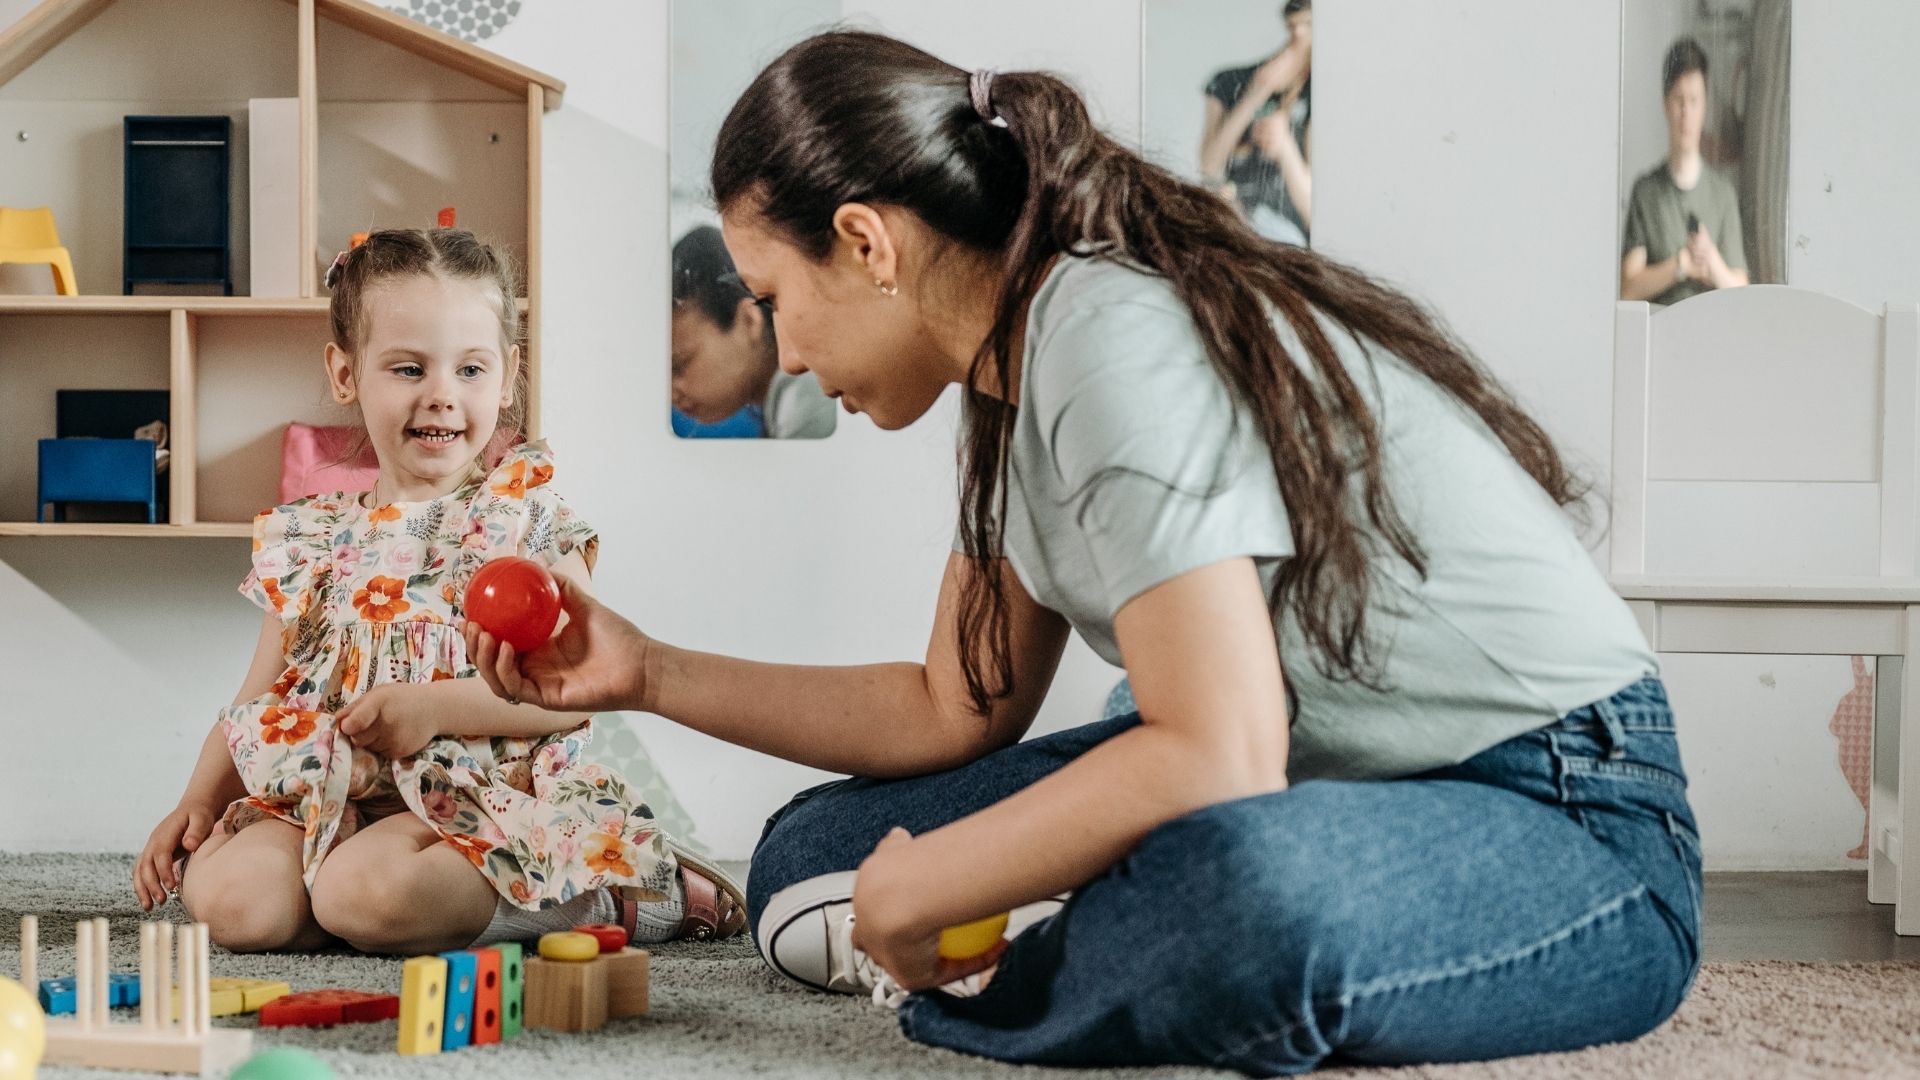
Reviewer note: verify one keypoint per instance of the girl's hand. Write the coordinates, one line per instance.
(378, 720)
(595, 663)
(891, 935)
(179, 834)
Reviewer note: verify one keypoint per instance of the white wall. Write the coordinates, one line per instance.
(1472, 161)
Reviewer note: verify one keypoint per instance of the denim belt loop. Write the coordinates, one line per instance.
(1616, 731)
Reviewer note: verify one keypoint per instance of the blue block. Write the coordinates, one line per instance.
(57, 996)
(123, 990)
(462, 970)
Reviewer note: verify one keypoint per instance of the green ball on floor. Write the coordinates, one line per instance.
(283, 1063)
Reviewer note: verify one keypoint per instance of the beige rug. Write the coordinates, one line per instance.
(719, 1014)
(1748, 1019)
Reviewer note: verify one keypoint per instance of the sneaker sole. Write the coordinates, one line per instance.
(789, 907)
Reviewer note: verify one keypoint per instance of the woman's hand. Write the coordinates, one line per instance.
(887, 929)
(380, 721)
(179, 834)
(595, 663)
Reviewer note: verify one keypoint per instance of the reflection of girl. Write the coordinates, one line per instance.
(1256, 144)
(725, 358)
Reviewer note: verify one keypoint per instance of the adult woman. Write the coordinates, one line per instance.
(1451, 824)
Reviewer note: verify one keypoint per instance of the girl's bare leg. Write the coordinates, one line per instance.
(396, 887)
(247, 888)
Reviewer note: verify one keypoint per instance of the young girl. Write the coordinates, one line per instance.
(1402, 783)
(362, 786)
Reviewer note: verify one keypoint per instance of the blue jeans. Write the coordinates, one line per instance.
(1543, 895)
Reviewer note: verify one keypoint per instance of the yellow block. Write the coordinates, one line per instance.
(220, 1002)
(257, 992)
(423, 1004)
(569, 945)
(226, 997)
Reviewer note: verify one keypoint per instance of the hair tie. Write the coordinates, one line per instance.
(339, 264)
(980, 89)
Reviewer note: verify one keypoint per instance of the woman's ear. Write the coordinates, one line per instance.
(340, 374)
(861, 229)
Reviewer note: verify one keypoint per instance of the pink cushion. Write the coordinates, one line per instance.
(313, 461)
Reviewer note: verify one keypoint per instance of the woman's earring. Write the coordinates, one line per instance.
(889, 290)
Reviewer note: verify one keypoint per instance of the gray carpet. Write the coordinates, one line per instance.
(718, 1013)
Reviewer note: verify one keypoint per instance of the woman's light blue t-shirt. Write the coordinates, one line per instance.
(1128, 469)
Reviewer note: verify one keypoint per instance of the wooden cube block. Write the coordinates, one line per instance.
(565, 995)
(626, 982)
(423, 1004)
(486, 997)
(512, 989)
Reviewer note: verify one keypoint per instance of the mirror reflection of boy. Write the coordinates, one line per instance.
(725, 357)
(1683, 233)
(1256, 144)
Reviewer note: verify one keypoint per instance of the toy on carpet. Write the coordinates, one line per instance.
(283, 1063)
(157, 1043)
(467, 997)
(328, 1008)
(23, 1032)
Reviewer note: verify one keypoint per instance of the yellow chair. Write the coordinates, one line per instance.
(28, 236)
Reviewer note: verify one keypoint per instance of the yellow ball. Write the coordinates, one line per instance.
(968, 940)
(569, 945)
(23, 1031)
(15, 1062)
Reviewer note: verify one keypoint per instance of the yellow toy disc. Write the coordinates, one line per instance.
(568, 945)
(968, 940)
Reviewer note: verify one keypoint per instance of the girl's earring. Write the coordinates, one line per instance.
(887, 290)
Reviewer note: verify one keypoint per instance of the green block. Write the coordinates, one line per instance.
(513, 978)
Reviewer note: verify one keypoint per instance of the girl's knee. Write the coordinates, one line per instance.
(362, 905)
(244, 913)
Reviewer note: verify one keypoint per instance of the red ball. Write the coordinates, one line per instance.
(515, 600)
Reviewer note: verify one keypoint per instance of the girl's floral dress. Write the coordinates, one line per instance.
(372, 596)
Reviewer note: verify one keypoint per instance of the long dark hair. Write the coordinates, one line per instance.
(858, 117)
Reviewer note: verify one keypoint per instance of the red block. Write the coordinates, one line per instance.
(325, 1008)
(486, 997)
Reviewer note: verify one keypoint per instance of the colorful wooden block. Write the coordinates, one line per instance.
(611, 938)
(457, 1030)
(423, 1004)
(221, 1000)
(569, 945)
(255, 993)
(512, 989)
(566, 995)
(325, 1008)
(123, 990)
(626, 982)
(486, 996)
(57, 996)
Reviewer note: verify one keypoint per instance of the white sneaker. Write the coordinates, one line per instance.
(806, 934)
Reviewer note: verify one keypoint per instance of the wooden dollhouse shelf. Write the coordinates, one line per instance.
(162, 305)
(374, 120)
(130, 529)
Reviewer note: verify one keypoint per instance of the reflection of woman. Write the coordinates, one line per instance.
(1683, 233)
(725, 357)
(1400, 786)
(1257, 143)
